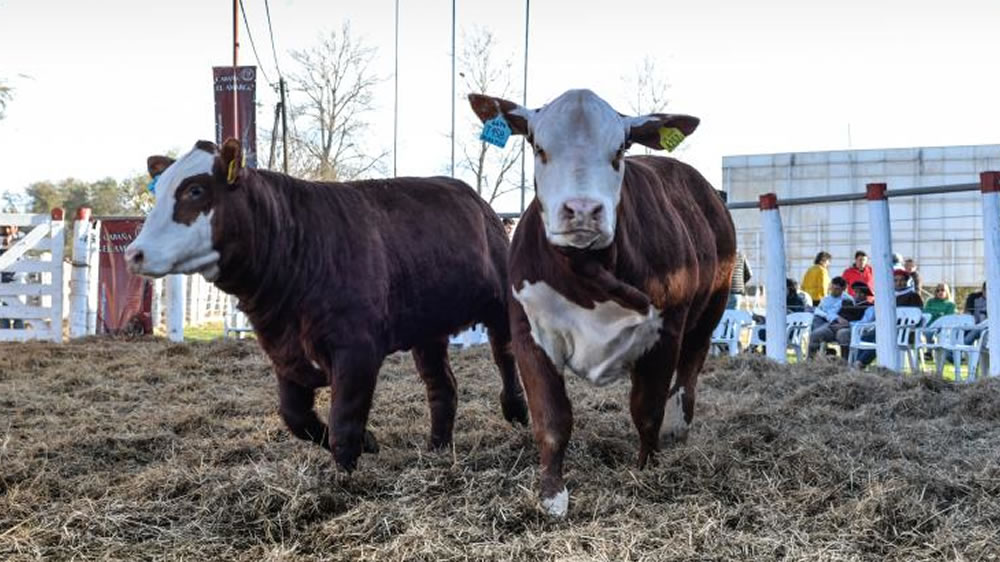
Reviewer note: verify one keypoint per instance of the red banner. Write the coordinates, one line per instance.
(246, 85)
(125, 300)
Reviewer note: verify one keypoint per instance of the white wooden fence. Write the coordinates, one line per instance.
(31, 306)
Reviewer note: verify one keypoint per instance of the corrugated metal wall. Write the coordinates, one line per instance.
(942, 232)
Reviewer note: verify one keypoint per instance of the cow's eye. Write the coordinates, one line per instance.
(194, 192)
(540, 154)
(617, 160)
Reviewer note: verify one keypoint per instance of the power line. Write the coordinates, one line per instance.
(253, 45)
(274, 51)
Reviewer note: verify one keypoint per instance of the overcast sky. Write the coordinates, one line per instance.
(100, 85)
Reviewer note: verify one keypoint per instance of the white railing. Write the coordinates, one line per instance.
(31, 305)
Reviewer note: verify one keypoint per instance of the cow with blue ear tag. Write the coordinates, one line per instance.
(620, 269)
(334, 277)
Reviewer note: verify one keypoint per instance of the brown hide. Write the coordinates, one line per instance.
(335, 276)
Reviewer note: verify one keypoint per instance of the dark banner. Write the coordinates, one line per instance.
(125, 300)
(246, 85)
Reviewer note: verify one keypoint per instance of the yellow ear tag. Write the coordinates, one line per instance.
(231, 178)
(670, 137)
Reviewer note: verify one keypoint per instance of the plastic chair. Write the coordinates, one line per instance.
(942, 330)
(953, 341)
(797, 326)
(908, 319)
(728, 331)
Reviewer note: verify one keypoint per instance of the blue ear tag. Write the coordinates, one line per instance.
(152, 185)
(496, 131)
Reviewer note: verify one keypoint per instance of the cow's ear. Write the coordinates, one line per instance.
(661, 130)
(231, 158)
(488, 107)
(156, 164)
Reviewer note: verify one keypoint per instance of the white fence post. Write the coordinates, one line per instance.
(175, 307)
(93, 289)
(80, 278)
(156, 307)
(57, 238)
(990, 188)
(885, 292)
(774, 279)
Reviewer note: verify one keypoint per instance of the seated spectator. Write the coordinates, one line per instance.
(860, 271)
(905, 296)
(941, 303)
(911, 267)
(863, 310)
(8, 234)
(826, 319)
(975, 304)
(817, 277)
(796, 300)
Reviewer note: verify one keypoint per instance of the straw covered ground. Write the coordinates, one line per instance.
(149, 450)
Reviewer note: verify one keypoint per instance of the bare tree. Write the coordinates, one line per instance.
(647, 89)
(481, 72)
(333, 90)
(6, 94)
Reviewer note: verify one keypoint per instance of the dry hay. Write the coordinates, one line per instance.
(149, 450)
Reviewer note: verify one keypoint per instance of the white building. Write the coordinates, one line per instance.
(942, 232)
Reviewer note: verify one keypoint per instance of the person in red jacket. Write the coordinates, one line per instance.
(860, 271)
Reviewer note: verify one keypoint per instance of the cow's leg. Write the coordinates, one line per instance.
(352, 386)
(512, 403)
(431, 359)
(650, 381)
(296, 409)
(551, 420)
(694, 349)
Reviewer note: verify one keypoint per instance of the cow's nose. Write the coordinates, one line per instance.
(133, 257)
(580, 209)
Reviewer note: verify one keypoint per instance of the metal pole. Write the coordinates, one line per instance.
(274, 136)
(395, 98)
(284, 127)
(524, 94)
(236, 56)
(885, 302)
(990, 185)
(453, 92)
(774, 279)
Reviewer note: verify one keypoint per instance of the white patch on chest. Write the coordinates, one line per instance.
(674, 427)
(599, 344)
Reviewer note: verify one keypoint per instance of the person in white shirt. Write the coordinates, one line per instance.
(826, 320)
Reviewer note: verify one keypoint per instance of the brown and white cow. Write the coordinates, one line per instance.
(620, 267)
(335, 276)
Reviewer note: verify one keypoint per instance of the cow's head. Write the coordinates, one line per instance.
(177, 234)
(580, 143)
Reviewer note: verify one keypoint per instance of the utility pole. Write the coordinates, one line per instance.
(284, 127)
(395, 98)
(524, 93)
(236, 58)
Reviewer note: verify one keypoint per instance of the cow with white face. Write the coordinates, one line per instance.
(177, 235)
(620, 267)
(334, 277)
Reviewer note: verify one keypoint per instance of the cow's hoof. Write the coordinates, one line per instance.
(557, 505)
(346, 457)
(647, 458)
(437, 444)
(515, 409)
(369, 444)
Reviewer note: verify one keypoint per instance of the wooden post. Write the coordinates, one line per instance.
(93, 289)
(175, 307)
(774, 279)
(990, 187)
(79, 284)
(885, 291)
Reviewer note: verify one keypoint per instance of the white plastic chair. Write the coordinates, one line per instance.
(946, 330)
(797, 326)
(953, 341)
(908, 319)
(474, 335)
(728, 331)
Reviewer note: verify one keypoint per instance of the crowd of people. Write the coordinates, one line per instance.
(839, 302)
